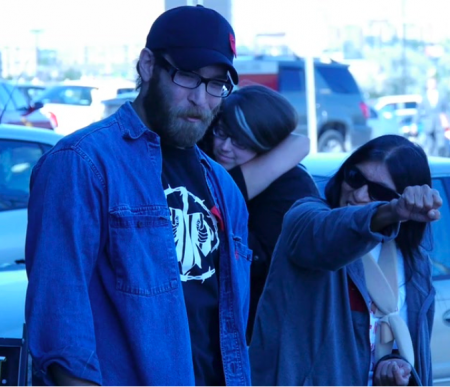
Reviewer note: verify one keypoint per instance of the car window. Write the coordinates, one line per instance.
(4, 96)
(12, 98)
(17, 159)
(391, 107)
(68, 95)
(291, 79)
(18, 101)
(32, 93)
(124, 90)
(410, 105)
(440, 253)
(339, 79)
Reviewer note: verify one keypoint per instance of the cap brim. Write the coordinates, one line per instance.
(195, 58)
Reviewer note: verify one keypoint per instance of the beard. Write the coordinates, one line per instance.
(170, 122)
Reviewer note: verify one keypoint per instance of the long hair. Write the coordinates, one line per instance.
(407, 164)
(256, 115)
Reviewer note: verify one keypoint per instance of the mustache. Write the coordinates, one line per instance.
(195, 112)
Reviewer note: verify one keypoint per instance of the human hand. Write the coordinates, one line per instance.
(418, 203)
(393, 372)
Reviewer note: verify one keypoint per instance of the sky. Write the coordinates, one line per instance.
(89, 22)
(72, 22)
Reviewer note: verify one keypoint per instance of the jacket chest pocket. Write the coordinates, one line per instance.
(142, 251)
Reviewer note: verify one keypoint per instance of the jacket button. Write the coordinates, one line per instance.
(140, 224)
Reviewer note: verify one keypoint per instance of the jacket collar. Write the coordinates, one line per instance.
(131, 124)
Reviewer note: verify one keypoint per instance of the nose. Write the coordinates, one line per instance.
(361, 195)
(226, 145)
(198, 95)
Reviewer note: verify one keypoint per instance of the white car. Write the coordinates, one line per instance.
(390, 113)
(20, 149)
(77, 105)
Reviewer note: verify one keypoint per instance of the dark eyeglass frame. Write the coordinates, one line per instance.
(223, 135)
(173, 71)
(377, 192)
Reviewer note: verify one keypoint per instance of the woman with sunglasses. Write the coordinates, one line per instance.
(349, 298)
(252, 138)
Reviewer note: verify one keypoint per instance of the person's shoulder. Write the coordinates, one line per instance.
(298, 180)
(90, 135)
(299, 171)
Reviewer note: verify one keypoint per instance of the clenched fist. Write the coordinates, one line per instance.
(418, 203)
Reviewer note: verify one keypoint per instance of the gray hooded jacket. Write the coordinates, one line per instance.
(312, 323)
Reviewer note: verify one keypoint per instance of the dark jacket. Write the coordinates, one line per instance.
(266, 213)
(312, 324)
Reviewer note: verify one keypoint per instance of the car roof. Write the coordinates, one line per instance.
(121, 98)
(326, 164)
(30, 86)
(23, 133)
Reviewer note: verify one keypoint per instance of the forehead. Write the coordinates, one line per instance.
(377, 172)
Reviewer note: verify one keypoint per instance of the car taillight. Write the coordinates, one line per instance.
(364, 109)
(53, 119)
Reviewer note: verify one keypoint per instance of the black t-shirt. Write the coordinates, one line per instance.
(197, 244)
(266, 213)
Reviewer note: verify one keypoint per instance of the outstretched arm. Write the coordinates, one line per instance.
(263, 170)
(317, 237)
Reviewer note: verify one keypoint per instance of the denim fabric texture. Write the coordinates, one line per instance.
(105, 300)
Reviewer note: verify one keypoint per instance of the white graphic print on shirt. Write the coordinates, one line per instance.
(195, 234)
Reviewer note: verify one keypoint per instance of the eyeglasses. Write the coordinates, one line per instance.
(377, 192)
(191, 80)
(220, 133)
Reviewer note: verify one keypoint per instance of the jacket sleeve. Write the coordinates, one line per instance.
(62, 245)
(317, 237)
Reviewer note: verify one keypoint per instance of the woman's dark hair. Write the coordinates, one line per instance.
(407, 164)
(256, 115)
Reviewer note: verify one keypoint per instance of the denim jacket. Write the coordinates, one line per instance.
(105, 300)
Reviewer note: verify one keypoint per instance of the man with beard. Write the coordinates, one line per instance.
(136, 246)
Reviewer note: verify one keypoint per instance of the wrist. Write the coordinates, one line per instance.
(385, 216)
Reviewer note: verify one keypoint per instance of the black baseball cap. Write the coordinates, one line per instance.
(194, 37)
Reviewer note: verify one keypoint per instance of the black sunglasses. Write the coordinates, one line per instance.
(377, 192)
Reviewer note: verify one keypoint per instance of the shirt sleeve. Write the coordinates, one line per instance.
(317, 237)
(62, 245)
(238, 177)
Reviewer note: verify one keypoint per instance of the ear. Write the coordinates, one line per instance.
(146, 64)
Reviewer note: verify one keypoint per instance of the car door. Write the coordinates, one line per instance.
(292, 85)
(17, 159)
(440, 256)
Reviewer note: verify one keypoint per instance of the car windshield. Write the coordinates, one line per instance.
(17, 159)
(17, 99)
(67, 95)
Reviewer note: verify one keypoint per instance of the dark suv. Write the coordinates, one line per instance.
(341, 110)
